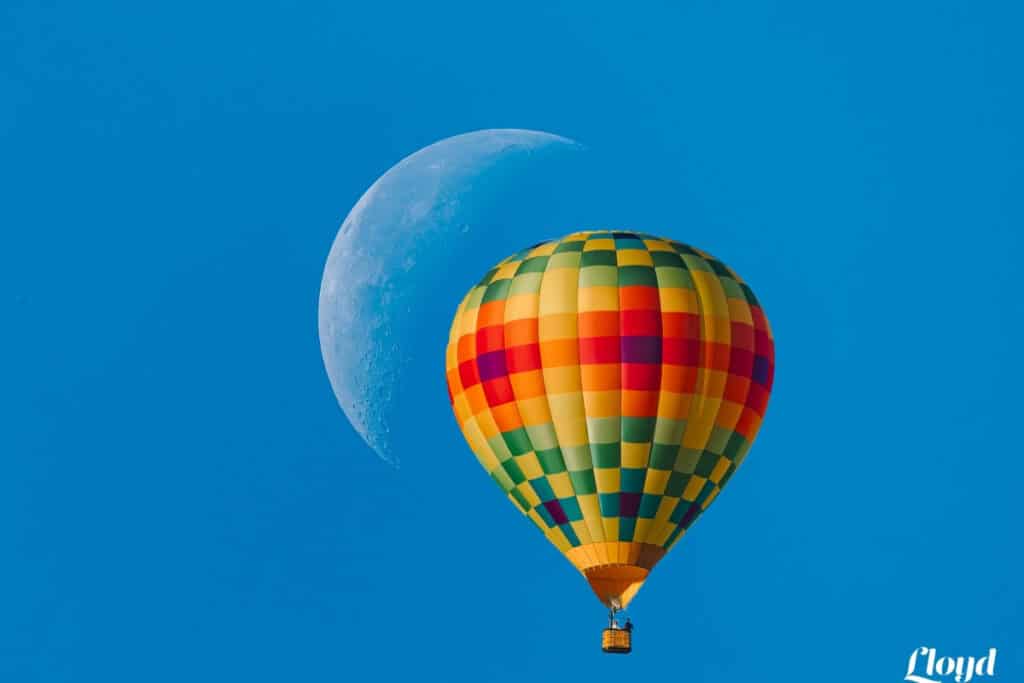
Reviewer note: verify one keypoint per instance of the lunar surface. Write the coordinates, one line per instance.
(411, 247)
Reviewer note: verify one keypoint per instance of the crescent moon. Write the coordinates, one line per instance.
(407, 251)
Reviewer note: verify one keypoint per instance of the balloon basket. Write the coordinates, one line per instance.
(617, 641)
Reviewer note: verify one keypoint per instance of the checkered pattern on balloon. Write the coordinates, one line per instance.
(611, 383)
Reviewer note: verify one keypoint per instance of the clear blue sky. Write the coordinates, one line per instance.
(180, 496)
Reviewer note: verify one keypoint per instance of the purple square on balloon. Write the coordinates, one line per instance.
(629, 504)
(556, 511)
(762, 366)
(641, 349)
(491, 365)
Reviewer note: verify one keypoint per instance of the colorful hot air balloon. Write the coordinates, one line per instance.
(610, 383)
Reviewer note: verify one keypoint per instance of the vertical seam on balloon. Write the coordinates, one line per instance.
(515, 400)
(721, 398)
(476, 363)
(713, 418)
(655, 530)
(462, 390)
(657, 415)
(751, 305)
(696, 399)
(750, 380)
(622, 392)
(700, 390)
(599, 522)
(586, 423)
(654, 527)
(484, 284)
(480, 374)
(547, 398)
(622, 381)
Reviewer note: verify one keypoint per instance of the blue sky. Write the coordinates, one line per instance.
(180, 496)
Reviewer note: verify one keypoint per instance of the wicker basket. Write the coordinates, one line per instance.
(617, 641)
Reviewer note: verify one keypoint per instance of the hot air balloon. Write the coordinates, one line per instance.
(610, 383)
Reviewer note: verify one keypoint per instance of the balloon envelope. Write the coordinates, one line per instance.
(610, 383)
